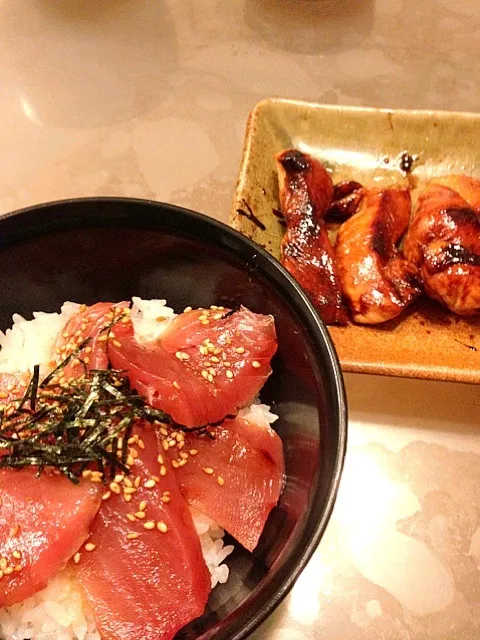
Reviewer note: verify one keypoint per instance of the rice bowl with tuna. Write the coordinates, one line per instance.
(141, 426)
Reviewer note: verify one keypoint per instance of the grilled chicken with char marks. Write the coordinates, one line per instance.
(444, 241)
(306, 192)
(376, 279)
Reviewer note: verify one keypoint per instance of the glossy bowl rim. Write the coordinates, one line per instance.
(317, 332)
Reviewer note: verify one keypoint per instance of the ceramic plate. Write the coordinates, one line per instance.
(367, 145)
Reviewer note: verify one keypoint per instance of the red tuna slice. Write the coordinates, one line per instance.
(235, 479)
(89, 322)
(43, 522)
(204, 367)
(146, 587)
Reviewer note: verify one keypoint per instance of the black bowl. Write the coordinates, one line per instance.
(110, 249)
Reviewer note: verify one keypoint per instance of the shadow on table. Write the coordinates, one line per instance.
(86, 63)
(311, 26)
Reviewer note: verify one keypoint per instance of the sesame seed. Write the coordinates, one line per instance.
(137, 482)
(90, 546)
(165, 499)
(162, 526)
(17, 555)
(163, 470)
(76, 557)
(193, 452)
(3, 564)
(149, 484)
(140, 515)
(217, 350)
(227, 364)
(102, 338)
(204, 374)
(88, 349)
(205, 321)
(165, 445)
(119, 478)
(176, 385)
(129, 490)
(17, 567)
(95, 479)
(202, 317)
(127, 482)
(210, 377)
(115, 488)
(160, 458)
(130, 460)
(217, 316)
(208, 470)
(8, 571)
(131, 517)
(127, 497)
(256, 364)
(132, 536)
(65, 335)
(229, 374)
(175, 464)
(3, 394)
(142, 506)
(203, 350)
(86, 473)
(15, 531)
(214, 359)
(212, 371)
(187, 309)
(149, 525)
(240, 350)
(184, 455)
(220, 481)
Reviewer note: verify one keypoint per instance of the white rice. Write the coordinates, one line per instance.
(59, 611)
(31, 342)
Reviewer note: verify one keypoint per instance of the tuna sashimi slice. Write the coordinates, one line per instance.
(43, 522)
(235, 478)
(205, 366)
(146, 578)
(89, 322)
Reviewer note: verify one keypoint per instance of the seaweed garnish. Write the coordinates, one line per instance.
(78, 423)
(73, 425)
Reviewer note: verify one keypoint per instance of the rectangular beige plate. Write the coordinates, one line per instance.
(365, 145)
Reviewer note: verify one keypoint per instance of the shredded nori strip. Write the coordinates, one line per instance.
(74, 425)
(34, 390)
(78, 425)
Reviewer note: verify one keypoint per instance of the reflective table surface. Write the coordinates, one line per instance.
(149, 98)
